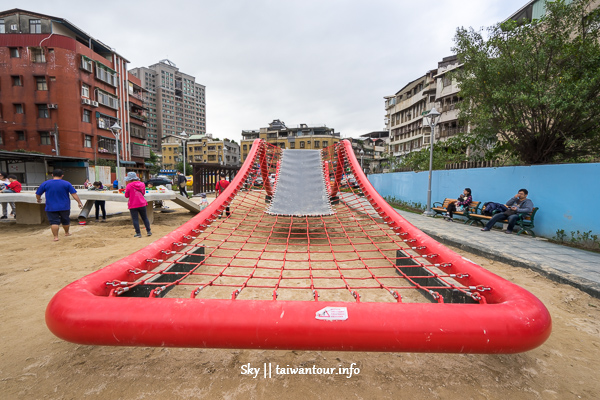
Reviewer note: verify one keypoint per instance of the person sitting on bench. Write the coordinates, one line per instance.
(517, 206)
(463, 200)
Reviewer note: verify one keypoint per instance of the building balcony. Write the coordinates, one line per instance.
(137, 96)
(138, 116)
(452, 131)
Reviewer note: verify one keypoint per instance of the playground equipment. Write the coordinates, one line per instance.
(304, 262)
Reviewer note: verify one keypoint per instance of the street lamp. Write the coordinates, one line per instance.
(183, 135)
(116, 130)
(431, 117)
(362, 153)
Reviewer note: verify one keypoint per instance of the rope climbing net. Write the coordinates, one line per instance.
(358, 277)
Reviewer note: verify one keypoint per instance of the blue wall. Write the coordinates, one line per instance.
(567, 194)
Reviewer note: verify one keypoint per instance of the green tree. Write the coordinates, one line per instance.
(188, 168)
(155, 160)
(532, 90)
(453, 150)
(390, 161)
(102, 162)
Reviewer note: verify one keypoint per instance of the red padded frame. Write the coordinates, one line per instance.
(508, 319)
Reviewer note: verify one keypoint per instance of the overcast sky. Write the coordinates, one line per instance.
(306, 61)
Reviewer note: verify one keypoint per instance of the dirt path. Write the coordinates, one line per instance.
(34, 364)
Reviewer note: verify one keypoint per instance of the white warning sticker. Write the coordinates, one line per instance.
(332, 314)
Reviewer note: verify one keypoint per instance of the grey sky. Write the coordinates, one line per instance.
(317, 62)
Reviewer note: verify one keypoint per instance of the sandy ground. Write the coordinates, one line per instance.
(34, 364)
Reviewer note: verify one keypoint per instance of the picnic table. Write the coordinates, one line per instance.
(30, 212)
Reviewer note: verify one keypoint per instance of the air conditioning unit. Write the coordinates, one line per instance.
(86, 101)
(94, 103)
(53, 106)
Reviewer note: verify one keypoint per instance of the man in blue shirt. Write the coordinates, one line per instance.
(58, 202)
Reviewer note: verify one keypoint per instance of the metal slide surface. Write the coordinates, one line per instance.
(300, 188)
(360, 279)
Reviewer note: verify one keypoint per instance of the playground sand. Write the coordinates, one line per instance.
(34, 364)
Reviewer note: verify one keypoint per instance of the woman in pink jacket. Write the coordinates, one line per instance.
(135, 192)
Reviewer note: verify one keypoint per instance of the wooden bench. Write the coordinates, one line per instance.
(525, 222)
(441, 208)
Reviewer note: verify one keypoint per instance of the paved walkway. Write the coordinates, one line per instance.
(575, 267)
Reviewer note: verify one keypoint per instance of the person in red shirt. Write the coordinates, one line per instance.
(13, 187)
(220, 188)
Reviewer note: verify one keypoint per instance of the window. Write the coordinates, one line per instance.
(45, 138)
(87, 141)
(20, 135)
(301, 145)
(14, 52)
(43, 111)
(16, 80)
(41, 83)
(107, 99)
(106, 74)
(325, 143)
(35, 26)
(87, 116)
(19, 109)
(106, 145)
(85, 90)
(2, 30)
(292, 145)
(316, 144)
(86, 64)
(105, 121)
(37, 55)
(1, 133)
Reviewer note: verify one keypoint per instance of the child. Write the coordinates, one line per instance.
(13, 186)
(135, 191)
(3, 182)
(220, 188)
(203, 201)
(100, 205)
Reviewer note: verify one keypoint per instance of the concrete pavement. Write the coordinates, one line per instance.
(578, 268)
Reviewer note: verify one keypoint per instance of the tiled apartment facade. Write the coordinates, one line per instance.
(175, 102)
(61, 91)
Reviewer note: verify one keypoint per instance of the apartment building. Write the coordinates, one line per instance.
(404, 115)
(372, 150)
(406, 109)
(447, 99)
(200, 149)
(302, 136)
(62, 90)
(175, 102)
